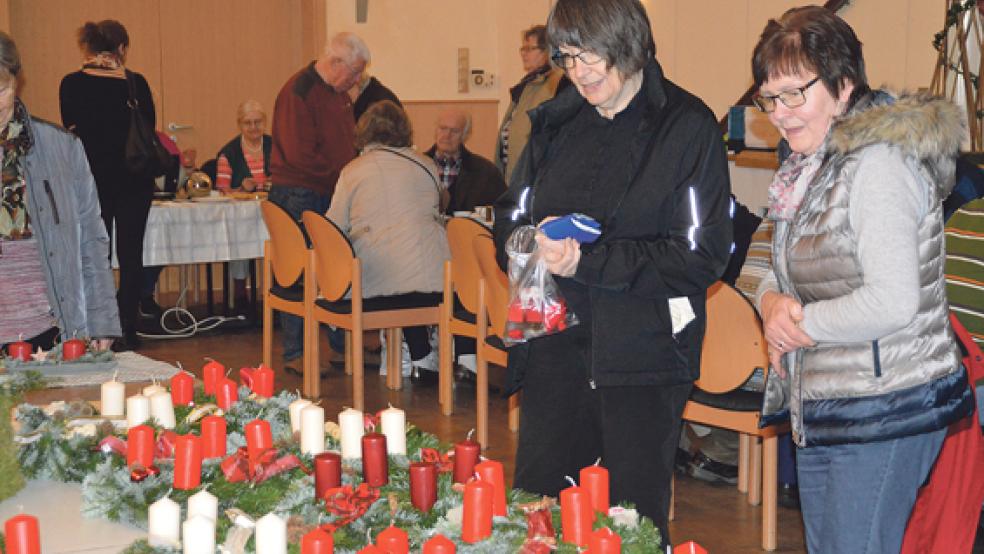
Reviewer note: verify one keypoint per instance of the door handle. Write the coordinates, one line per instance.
(172, 126)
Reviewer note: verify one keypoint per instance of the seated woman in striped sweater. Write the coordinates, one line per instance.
(244, 162)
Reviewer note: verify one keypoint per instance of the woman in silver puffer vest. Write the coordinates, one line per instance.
(855, 311)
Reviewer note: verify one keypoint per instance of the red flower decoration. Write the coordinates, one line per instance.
(444, 462)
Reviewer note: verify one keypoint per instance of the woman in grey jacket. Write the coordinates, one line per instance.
(855, 311)
(54, 251)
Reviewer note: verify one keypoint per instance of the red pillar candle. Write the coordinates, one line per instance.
(140, 446)
(211, 373)
(226, 393)
(490, 471)
(604, 541)
(73, 349)
(594, 479)
(187, 462)
(19, 350)
(466, 455)
(22, 535)
(576, 515)
(393, 540)
(263, 381)
(439, 544)
(258, 438)
(317, 542)
(423, 485)
(328, 473)
(476, 521)
(182, 389)
(213, 436)
(375, 465)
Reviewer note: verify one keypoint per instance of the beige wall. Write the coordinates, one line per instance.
(703, 46)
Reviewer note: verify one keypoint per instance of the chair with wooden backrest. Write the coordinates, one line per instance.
(285, 264)
(461, 276)
(337, 272)
(734, 348)
(493, 294)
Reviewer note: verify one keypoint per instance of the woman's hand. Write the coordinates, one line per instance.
(248, 184)
(781, 315)
(561, 256)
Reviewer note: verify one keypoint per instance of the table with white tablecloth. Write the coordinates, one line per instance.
(203, 231)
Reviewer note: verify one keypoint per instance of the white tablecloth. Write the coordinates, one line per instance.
(201, 232)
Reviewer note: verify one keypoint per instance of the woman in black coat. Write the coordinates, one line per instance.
(644, 158)
(94, 107)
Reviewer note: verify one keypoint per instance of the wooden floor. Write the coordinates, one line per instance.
(717, 517)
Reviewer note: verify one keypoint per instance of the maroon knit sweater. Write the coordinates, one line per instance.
(313, 133)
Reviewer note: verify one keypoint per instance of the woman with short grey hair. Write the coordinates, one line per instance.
(644, 158)
(54, 250)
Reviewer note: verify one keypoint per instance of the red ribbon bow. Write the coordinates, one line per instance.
(238, 467)
(348, 504)
(164, 448)
(444, 462)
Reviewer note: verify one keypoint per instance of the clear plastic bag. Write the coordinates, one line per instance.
(536, 306)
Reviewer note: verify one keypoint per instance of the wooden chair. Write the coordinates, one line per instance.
(733, 348)
(493, 294)
(286, 260)
(461, 276)
(337, 272)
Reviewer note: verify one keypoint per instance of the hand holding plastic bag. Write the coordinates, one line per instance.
(536, 307)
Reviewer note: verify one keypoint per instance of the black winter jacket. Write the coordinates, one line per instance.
(668, 234)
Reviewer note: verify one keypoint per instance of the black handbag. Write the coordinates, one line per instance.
(143, 154)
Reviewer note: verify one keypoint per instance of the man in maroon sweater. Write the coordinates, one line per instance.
(313, 139)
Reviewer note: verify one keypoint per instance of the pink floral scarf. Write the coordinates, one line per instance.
(790, 183)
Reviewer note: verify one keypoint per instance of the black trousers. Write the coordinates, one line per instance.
(126, 202)
(566, 425)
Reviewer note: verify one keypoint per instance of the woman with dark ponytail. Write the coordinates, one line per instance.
(94, 107)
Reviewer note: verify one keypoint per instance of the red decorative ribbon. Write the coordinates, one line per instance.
(165, 445)
(444, 462)
(246, 377)
(348, 504)
(114, 445)
(164, 448)
(238, 468)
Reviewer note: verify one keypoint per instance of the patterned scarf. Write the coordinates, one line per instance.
(15, 141)
(104, 64)
(790, 183)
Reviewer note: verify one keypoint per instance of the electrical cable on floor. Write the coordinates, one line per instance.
(191, 324)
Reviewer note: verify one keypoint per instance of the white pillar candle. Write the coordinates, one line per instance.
(205, 504)
(271, 535)
(164, 523)
(295, 413)
(137, 409)
(111, 398)
(350, 422)
(394, 424)
(162, 409)
(150, 390)
(198, 535)
(312, 430)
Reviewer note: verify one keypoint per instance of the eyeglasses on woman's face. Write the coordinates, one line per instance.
(566, 61)
(792, 98)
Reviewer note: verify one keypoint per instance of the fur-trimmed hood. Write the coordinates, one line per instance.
(926, 127)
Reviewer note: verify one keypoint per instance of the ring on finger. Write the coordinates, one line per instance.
(782, 346)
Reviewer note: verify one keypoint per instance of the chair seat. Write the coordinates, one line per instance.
(293, 293)
(384, 303)
(736, 401)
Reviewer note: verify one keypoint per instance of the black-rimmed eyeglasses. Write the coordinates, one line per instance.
(566, 61)
(790, 98)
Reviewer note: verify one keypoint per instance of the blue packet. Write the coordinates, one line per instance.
(580, 227)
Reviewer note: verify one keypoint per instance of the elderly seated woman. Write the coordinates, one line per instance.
(244, 162)
(388, 202)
